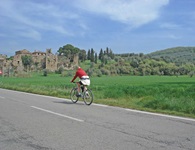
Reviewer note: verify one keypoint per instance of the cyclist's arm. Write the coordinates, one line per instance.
(74, 78)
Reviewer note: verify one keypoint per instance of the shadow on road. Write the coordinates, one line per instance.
(67, 102)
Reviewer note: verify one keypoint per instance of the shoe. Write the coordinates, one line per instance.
(78, 95)
(87, 94)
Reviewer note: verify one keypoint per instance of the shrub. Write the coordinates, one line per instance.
(45, 72)
(67, 73)
(90, 72)
(60, 70)
(98, 73)
(105, 71)
(192, 73)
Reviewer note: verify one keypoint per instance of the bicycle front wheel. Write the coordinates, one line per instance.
(88, 97)
(73, 95)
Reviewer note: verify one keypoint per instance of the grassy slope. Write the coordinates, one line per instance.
(163, 94)
(181, 54)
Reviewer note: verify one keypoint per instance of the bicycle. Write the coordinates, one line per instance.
(86, 95)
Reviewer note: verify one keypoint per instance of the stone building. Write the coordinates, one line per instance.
(5, 65)
(51, 61)
(41, 60)
(2, 62)
(17, 59)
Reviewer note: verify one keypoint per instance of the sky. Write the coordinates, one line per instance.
(124, 26)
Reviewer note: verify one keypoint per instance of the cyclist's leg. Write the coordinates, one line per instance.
(84, 87)
(78, 87)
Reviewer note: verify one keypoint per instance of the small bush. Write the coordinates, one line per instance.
(66, 73)
(105, 71)
(45, 72)
(60, 70)
(98, 73)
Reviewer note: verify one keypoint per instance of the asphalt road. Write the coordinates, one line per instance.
(35, 122)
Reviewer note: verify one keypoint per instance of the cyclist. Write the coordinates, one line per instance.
(84, 79)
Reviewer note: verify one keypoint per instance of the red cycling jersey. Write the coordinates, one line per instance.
(79, 73)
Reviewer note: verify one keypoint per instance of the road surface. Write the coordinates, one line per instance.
(35, 122)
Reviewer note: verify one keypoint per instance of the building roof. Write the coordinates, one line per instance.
(24, 51)
(35, 52)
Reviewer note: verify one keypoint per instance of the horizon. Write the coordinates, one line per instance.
(124, 26)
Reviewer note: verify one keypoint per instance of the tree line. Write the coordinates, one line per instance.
(69, 51)
(107, 63)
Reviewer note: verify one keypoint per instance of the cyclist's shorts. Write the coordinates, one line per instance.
(85, 80)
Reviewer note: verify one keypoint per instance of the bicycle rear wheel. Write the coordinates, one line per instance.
(73, 96)
(88, 97)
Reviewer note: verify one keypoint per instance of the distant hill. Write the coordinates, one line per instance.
(176, 54)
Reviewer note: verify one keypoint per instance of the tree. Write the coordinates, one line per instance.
(111, 54)
(82, 55)
(101, 54)
(68, 49)
(96, 58)
(103, 60)
(107, 51)
(89, 55)
(92, 55)
(134, 63)
(27, 61)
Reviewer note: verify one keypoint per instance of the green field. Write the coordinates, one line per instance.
(164, 94)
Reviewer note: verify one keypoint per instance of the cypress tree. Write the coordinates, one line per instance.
(92, 55)
(101, 54)
(96, 58)
(88, 55)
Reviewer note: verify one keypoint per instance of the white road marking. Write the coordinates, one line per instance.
(101, 105)
(46, 96)
(161, 115)
(57, 114)
(2, 97)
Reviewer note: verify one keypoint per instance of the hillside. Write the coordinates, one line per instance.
(176, 54)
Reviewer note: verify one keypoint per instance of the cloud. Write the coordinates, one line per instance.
(39, 17)
(170, 26)
(132, 12)
(36, 18)
(174, 37)
(30, 33)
